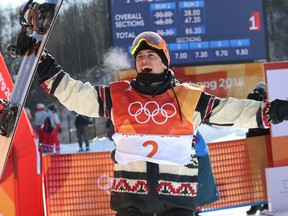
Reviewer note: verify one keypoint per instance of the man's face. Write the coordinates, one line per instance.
(148, 61)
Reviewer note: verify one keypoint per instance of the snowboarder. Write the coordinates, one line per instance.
(155, 119)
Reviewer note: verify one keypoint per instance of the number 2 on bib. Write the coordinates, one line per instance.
(154, 147)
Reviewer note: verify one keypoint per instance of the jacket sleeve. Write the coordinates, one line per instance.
(232, 112)
(241, 113)
(83, 98)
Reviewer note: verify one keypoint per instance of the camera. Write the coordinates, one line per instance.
(258, 95)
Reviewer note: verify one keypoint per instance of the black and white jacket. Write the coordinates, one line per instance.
(147, 186)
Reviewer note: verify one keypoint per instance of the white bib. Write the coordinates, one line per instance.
(160, 149)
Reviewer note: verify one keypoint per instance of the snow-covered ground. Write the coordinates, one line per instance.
(241, 211)
(209, 134)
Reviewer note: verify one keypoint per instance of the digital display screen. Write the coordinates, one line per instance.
(197, 32)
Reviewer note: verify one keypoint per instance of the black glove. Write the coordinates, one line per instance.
(47, 67)
(59, 130)
(278, 111)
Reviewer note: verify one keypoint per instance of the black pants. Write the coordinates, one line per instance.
(82, 135)
(172, 212)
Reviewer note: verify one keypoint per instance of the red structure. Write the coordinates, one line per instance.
(20, 185)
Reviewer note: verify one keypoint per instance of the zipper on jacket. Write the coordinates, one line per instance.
(152, 170)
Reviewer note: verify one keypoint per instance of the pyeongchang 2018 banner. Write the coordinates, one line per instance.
(231, 80)
(6, 83)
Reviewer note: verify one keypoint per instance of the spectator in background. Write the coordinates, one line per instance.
(53, 137)
(81, 124)
(28, 113)
(258, 94)
(40, 116)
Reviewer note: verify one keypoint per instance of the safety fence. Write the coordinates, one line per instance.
(239, 170)
(79, 184)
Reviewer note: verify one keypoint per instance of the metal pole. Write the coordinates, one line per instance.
(69, 127)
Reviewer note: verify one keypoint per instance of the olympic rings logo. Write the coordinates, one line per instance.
(151, 113)
(105, 182)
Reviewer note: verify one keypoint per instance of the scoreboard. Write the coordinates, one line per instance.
(197, 32)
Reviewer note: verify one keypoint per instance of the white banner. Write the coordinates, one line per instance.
(277, 82)
(277, 188)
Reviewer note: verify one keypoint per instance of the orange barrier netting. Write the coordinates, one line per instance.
(79, 184)
(239, 170)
